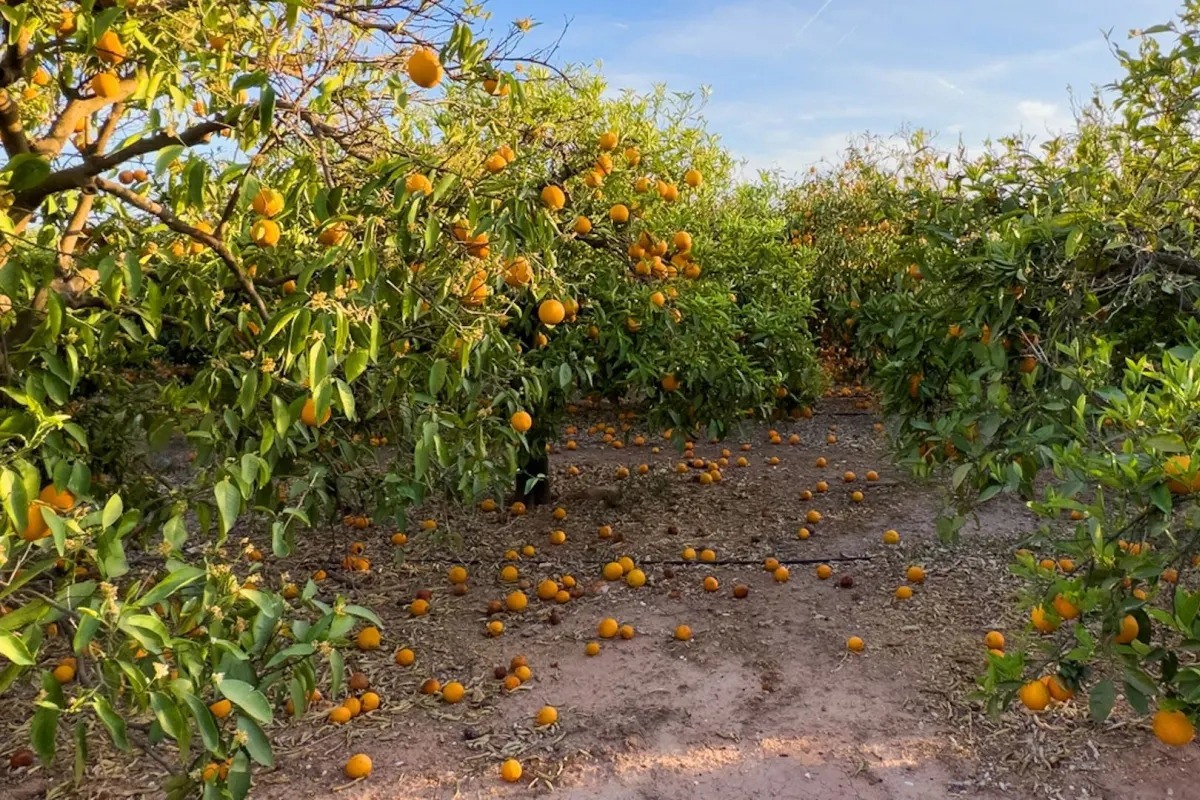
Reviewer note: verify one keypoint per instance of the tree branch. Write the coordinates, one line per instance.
(174, 223)
(12, 133)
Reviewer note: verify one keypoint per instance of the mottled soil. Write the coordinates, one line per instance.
(764, 702)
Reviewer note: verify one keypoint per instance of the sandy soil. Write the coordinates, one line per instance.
(764, 702)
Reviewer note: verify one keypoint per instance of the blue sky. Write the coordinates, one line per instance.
(792, 79)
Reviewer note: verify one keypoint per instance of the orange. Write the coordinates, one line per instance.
(582, 226)
(517, 509)
(60, 501)
(339, 715)
(708, 556)
(856, 497)
(1129, 630)
(521, 421)
(591, 648)
(813, 517)
(516, 601)
(510, 770)
(523, 672)
(1182, 479)
(308, 414)
(359, 766)
(267, 202)
(370, 701)
(405, 657)
(994, 640)
(547, 589)
(547, 715)
(551, 312)
(558, 536)
(855, 644)
(1034, 695)
(710, 584)
(635, 578)
(495, 628)
(683, 633)
(109, 48)
(619, 213)
(824, 571)
(453, 692)
(1173, 728)
(693, 178)
(106, 85)
(418, 607)
(803, 533)
(891, 537)
(458, 575)
(849, 477)
(368, 638)
(221, 709)
(915, 574)
(1058, 690)
(626, 632)
(416, 183)
(353, 705)
(608, 140)
(613, 571)
(688, 554)
(781, 574)
(872, 475)
(1042, 621)
(431, 686)
(425, 68)
(607, 628)
(1065, 608)
(553, 198)
(903, 592)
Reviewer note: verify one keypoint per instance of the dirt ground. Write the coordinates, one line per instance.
(764, 702)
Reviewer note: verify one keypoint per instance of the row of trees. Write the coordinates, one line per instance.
(279, 234)
(1032, 316)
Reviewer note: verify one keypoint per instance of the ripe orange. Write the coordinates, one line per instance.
(558, 536)
(591, 648)
(553, 198)
(619, 213)
(547, 589)
(607, 628)
(693, 178)
(994, 640)
(1129, 630)
(708, 556)
(458, 575)
(1173, 728)
(915, 574)
(849, 477)
(405, 657)
(812, 517)
(308, 414)
(521, 421)
(109, 47)
(516, 601)
(1035, 695)
(453, 692)
(781, 574)
(1058, 690)
(613, 571)
(635, 578)
(855, 644)
(368, 638)
(710, 584)
(431, 686)
(339, 715)
(517, 509)
(903, 592)
(425, 68)
(353, 705)
(106, 85)
(1182, 479)
(770, 565)
(359, 766)
(1042, 621)
(872, 475)
(683, 633)
(803, 533)
(546, 715)
(688, 554)
(626, 632)
(856, 497)
(370, 701)
(418, 607)
(824, 571)
(220, 709)
(1065, 608)
(510, 770)
(891, 537)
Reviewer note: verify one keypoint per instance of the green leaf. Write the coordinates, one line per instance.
(1101, 700)
(337, 672)
(112, 511)
(266, 108)
(205, 721)
(362, 612)
(257, 744)
(247, 698)
(437, 377)
(229, 503)
(356, 364)
(14, 650)
(114, 722)
(178, 578)
(26, 170)
(166, 157)
(43, 731)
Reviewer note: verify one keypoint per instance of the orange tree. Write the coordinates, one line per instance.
(1052, 335)
(284, 236)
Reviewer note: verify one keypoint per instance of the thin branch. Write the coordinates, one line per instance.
(12, 133)
(174, 223)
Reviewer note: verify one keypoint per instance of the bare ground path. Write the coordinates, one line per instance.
(764, 702)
